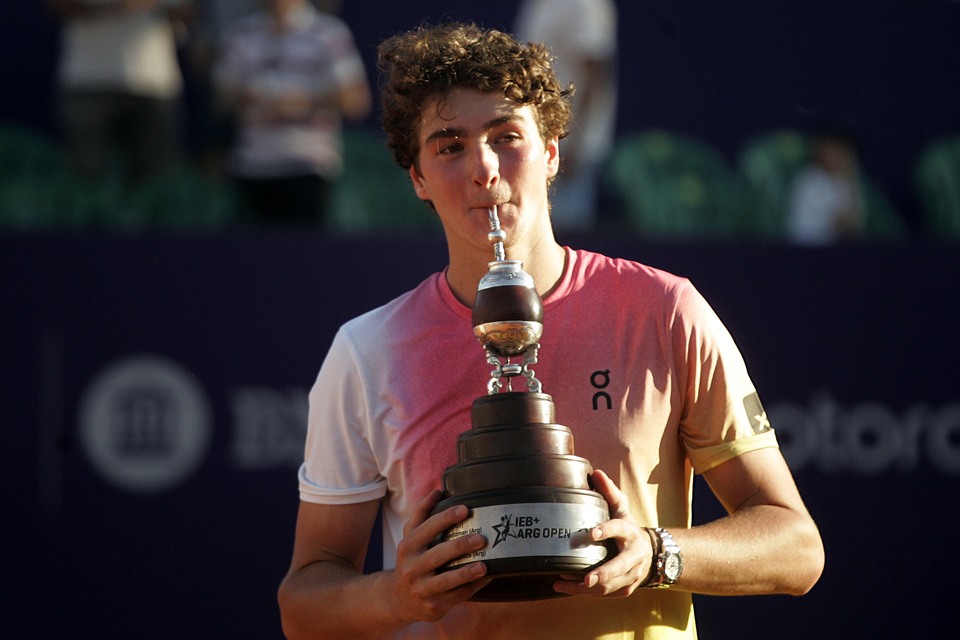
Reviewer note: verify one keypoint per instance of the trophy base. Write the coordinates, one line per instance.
(529, 497)
(535, 535)
(530, 580)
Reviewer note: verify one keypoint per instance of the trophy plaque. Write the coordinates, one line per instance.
(527, 492)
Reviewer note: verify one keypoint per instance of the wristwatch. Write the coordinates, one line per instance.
(667, 561)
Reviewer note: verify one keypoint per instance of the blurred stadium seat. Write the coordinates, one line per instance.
(184, 199)
(31, 162)
(39, 192)
(769, 163)
(373, 194)
(674, 185)
(937, 180)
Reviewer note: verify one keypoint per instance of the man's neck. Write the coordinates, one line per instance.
(545, 264)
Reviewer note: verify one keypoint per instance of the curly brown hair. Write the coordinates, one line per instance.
(427, 63)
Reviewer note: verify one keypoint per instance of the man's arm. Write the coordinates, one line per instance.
(767, 544)
(326, 595)
(354, 100)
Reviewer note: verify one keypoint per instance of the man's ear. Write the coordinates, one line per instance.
(420, 187)
(553, 157)
(418, 184)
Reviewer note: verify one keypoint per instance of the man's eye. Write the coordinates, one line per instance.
(452, 147)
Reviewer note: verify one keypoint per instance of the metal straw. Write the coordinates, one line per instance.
(496, 235)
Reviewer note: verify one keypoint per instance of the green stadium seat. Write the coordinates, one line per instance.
(937, 180)
(769, 163)
(183, 199)
(374, 195)
(28, 151)
(673, 185)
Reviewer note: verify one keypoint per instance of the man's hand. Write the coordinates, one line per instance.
(419, 590)
(629, 569)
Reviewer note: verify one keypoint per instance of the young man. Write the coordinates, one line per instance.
(476, 118)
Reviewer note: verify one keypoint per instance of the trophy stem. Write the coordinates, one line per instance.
(496, 235)
(509, 370)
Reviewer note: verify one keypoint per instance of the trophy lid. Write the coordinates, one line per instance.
(506, 273)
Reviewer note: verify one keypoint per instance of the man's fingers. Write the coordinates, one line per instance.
(421, 510)
(443, 553)
(431, 526)
(611, 493)
(419, 554)
(460, 577)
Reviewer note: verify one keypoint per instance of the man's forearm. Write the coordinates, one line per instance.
(328, 600)
(762, 549)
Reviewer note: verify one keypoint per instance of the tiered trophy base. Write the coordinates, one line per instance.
(528, 496)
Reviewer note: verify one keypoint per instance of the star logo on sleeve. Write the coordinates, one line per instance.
(758, 417)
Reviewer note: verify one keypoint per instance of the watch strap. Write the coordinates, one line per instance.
(663, 546)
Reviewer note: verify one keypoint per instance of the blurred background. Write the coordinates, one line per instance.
(798, 161)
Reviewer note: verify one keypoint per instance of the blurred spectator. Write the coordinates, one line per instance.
(291, 73)
(582, 35)
(212, 130)
(826, 199)
(120, 85)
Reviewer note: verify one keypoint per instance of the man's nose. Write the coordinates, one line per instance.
(486, 167)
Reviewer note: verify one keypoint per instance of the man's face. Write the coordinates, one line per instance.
(478, 150)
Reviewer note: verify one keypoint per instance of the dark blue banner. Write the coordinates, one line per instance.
(154, 400)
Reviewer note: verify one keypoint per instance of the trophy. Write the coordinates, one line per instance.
(527, 493)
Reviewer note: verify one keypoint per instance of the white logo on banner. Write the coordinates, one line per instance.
(270, 427)
(868, 438)
(145, 424)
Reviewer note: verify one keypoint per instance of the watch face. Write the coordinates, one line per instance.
(672, 566)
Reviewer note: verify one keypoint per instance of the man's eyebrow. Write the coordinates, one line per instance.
(449, 132)
(457, 132)
(496, 122)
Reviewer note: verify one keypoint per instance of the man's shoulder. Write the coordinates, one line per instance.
(590, 264)
(415, 302)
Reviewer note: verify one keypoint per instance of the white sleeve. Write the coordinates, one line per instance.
(340, 466)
